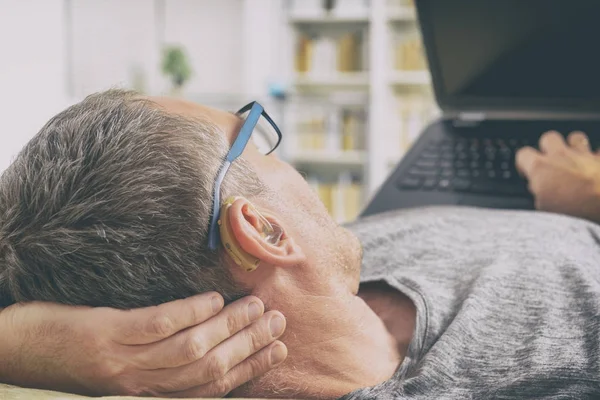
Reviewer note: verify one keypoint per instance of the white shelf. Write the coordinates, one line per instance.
(346, 159)
(402, 14)
(410, 78)
(338, 80)
(321, 18)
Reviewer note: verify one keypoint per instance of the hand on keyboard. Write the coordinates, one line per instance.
(563, 177)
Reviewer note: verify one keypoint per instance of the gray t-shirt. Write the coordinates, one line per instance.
(508, 303)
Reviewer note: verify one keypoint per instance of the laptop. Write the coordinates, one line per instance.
(503, 73)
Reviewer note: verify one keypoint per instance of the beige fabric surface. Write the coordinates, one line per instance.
(8, 392)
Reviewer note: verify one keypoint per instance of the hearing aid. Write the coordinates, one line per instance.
(270, 232)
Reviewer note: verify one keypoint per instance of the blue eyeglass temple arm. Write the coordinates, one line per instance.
(236, 150)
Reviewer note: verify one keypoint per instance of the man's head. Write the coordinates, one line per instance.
(109, 204)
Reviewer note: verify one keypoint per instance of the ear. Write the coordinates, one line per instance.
(246, 227)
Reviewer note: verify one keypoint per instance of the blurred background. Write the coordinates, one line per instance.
(346, 80)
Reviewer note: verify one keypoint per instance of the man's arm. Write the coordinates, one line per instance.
(192, 347)
(563, 177)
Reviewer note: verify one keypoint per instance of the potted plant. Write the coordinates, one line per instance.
(176, 66)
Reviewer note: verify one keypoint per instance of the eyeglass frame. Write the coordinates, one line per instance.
(236, 150)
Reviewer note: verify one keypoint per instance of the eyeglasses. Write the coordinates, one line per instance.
(265, 135)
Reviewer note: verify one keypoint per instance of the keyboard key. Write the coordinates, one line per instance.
(410, 183)
(504, 165)
(446, 164)
(426, 163)
(444, 184)
(429, 183)
(422, 172)
(507, 175)
(460, 164)
(447, 173)
(430, 155)
(506, 153)
(491, 174)
(462, 173)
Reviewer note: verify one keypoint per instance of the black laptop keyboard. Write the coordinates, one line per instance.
(469, 165)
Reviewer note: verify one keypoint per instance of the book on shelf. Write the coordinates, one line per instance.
(353, 130)
(323, 60)
(326, 55)
(409, 55)
(333, 129)
(304, 54)
(349, 53)
(400, 3)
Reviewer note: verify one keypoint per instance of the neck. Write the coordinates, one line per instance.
(336, 343)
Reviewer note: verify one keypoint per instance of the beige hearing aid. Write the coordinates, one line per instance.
(272, 233)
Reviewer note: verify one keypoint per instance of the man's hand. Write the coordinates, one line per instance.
(564, 178)
(185, 348)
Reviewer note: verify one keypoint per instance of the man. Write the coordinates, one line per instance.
(110, 204)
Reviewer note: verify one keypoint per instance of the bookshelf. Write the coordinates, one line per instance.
(410, 78)
(332, 81)
(362, 57)
(347, 159)
(322, 18)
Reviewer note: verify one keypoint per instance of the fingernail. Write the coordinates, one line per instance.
(216, 304)
(254, 311)
(277, 325)
(278, 354)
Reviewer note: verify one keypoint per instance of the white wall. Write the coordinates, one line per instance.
(54, 52)
(211, 32)
(32, 70)
(109, 39)
(267, 46)
(113, 37)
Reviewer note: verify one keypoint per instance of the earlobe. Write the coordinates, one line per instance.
(261, 236)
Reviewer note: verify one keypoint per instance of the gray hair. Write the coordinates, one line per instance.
(109, 205)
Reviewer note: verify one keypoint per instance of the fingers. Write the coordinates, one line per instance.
(552, 142)
(152, 324)
(192, 344)
(579, 142)
(527, 159)
(254, 366)
(223, 358)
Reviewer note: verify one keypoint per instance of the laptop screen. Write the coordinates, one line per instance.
(513, 54)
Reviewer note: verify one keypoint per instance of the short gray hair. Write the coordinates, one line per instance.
(109, 205)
